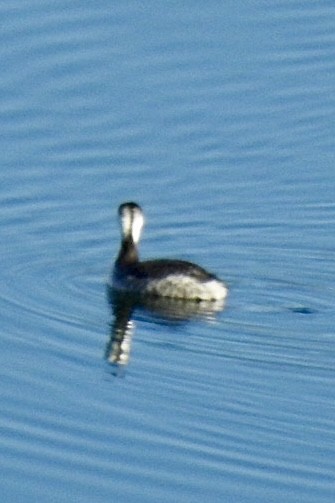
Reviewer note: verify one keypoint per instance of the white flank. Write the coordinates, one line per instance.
(216, 289)
(185, 287)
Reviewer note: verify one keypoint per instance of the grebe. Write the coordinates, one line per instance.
(164, 277)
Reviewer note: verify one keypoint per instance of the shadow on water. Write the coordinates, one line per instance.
(160, 310)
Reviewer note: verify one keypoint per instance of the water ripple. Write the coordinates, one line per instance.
(220, 124)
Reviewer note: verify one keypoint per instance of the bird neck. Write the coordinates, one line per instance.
(128, 252)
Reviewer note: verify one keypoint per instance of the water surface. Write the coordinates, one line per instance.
(218, 120)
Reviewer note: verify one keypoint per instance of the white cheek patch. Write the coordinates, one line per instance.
(126, 223)
(132, 223)
(137, 226)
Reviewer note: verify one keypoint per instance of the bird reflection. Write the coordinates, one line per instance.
(160, 309)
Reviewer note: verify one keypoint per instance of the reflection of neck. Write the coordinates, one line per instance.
(128, 253)
(119, 345)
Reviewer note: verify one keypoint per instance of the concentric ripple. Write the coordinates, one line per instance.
(218, 117)
(41, 286)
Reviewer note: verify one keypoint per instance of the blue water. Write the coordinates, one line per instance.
(216, 117)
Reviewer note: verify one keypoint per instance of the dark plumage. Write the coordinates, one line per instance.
(163, 277)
